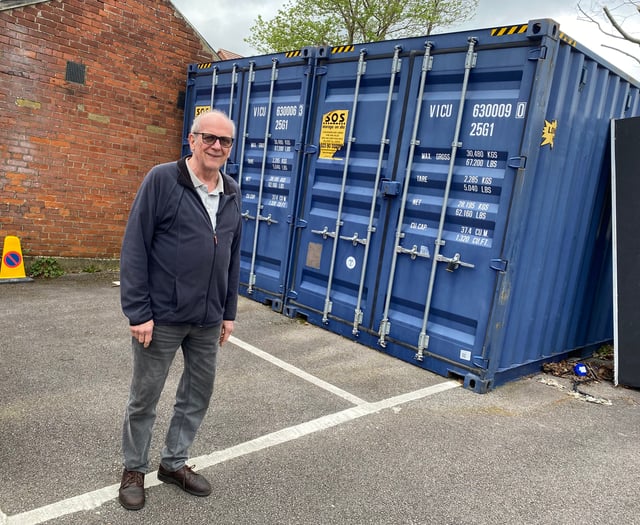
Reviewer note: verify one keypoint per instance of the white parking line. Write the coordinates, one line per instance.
(96, 498)
(296, 371)
(317, 425)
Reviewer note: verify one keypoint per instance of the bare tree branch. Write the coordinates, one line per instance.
(623, 52)
(591, 19)
(619, 28)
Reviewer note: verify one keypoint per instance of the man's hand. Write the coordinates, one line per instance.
(143, 332)
(226, 331)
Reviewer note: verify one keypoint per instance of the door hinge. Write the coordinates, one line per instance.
(539, 53)
(309, 149)
(390, 188)
(518, 163)
(299, 223)
(499, 265)
(480, 362)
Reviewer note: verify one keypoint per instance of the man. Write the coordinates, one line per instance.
(179, 275)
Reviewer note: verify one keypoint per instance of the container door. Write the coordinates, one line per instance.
(441, 205)
(269, 154)
(267, 98)
(439, 275)
(349, 186)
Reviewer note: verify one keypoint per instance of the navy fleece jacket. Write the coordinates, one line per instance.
(174, 268)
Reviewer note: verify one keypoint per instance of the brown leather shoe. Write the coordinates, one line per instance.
(131, 493)
(186, 479)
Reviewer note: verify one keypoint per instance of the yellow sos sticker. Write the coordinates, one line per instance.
(332, 133)
(201, 109)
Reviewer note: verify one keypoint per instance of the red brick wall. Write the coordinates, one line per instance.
(72, 156)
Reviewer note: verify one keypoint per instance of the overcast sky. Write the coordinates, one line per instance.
(225, 24)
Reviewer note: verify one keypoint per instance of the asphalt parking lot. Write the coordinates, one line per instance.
(306, 427)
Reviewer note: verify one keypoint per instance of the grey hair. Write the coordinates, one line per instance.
(195, 126)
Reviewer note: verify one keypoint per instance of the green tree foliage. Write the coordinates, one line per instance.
(302, 23)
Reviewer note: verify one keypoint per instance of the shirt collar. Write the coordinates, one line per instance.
(197, 183)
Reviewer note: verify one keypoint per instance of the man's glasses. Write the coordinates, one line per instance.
(210, 139)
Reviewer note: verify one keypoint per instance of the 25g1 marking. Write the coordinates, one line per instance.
(482, 129)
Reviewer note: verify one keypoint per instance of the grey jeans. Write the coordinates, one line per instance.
(150, 369)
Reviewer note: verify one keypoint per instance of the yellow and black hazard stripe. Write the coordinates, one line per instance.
(509, 30)
(343, 49)
(566, 38)
(336, 49)
(205, 65)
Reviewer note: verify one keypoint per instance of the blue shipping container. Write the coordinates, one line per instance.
(443, 199)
